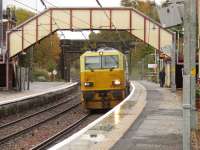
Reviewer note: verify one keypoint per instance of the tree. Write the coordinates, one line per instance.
(107, 39)
(129, 3)
(110, 36)
(47, 52)
(147, 7)
(22, 15)
(142, 50)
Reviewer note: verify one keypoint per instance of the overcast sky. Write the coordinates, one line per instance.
(67, 3)
(36, 4)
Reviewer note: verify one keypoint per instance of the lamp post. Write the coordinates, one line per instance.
(189, 77)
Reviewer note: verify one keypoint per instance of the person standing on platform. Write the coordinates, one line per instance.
(162, 77)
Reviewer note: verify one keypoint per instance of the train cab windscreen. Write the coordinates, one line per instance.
(101, 62)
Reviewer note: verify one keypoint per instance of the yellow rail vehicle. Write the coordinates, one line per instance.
(104, 78)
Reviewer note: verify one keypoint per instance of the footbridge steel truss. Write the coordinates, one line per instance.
(54, 19)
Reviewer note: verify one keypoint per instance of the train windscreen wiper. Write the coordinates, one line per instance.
(91, 69)
(113, 58)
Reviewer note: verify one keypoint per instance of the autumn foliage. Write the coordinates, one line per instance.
(147, 7)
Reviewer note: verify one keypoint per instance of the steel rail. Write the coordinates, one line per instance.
(13, 135)
(37, 113)
(45, 144)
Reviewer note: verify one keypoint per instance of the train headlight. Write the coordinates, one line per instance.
(88, 84)
(116, 82)
(101, 53)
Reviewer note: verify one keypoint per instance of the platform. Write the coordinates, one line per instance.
(36, 89)
(159, 127)
(149, 119)
(196, 135)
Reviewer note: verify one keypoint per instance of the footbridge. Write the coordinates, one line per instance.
(51, 20)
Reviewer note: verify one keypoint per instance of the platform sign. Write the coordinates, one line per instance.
(152, 66)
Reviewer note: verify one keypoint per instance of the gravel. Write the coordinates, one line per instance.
(45, 130)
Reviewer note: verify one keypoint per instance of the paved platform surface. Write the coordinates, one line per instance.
(36, 88)
(159, 127)
(199, 120)
(196, 135)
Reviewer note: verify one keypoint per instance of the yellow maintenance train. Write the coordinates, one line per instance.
(104, 78)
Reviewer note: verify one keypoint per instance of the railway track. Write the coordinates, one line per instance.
(36, 113)
(52, 140)
(8, 137)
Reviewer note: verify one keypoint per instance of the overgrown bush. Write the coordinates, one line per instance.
(40, 75)
(197, 92)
